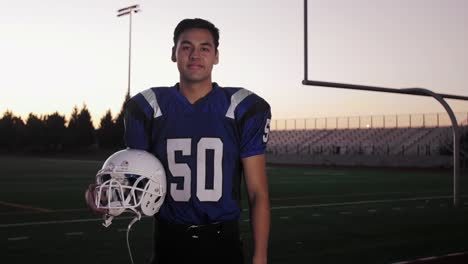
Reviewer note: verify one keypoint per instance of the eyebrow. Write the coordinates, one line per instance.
(190, 43)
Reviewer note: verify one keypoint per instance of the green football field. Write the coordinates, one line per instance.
(319, 215)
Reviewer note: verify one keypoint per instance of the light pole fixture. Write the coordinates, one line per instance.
(123, 12)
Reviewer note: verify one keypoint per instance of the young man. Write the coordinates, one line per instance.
(206, 137)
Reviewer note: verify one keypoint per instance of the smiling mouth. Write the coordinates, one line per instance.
(194, 66)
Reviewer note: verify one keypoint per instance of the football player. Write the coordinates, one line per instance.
(207, 137)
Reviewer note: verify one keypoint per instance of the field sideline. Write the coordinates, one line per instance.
(319, 215)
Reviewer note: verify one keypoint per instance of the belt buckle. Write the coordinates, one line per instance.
(194, 229)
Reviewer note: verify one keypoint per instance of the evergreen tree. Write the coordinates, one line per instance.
(11, 131)
(86, 134)
(19, 128)
(71, 139)
(6, 130)
(80, 130)
(55, 130)
(35, 133)
(105, 132)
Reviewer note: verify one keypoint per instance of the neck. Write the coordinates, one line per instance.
(194, 91)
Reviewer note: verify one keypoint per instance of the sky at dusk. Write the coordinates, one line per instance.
(58, 54)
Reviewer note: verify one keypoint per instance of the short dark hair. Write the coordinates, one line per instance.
(190, 23)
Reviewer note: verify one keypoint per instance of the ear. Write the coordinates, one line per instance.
(216, 58)
(173, 56)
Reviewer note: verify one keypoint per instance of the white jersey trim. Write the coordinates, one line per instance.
(152, 101)
(236, 99)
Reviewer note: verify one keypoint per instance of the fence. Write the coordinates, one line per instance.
(372, 121)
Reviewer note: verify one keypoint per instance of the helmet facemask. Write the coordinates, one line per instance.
(118, 192)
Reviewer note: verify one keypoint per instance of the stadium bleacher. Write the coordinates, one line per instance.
(424, 140)
(370, 141)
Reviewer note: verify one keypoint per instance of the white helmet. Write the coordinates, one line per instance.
(130, 180)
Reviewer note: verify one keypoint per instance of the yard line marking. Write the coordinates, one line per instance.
(22, 206)
(347, 195)
(272, 208)
(359, 202)
(431, 258)
(51, 211)
(317, 173)
(17, 238)
(63, 222)
(428, 258)
(273, 199)
(74, 233)
(73, 210)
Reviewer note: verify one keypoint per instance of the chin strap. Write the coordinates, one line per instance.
(107, 220)
(109, 217)
(135, 219)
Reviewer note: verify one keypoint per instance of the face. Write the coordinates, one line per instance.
(195, 54)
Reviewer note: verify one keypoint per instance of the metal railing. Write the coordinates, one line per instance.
(370, 121)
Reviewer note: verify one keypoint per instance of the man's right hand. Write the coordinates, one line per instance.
(90, 200)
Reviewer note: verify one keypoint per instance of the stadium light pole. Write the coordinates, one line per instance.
(129, 10)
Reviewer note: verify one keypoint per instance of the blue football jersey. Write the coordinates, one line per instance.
(200, 145)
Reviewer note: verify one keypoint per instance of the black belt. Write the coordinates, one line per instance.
(219, 228)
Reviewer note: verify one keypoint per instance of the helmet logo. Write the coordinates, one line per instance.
(124, 163)
(109, 168)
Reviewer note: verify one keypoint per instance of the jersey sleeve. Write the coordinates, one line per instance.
(138, 121)
(255, 127)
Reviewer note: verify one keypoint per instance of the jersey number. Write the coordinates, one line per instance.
(266, 130)
(182, 170)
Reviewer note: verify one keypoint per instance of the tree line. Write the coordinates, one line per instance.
(53, 133)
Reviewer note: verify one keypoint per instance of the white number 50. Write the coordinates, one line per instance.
(183, 170)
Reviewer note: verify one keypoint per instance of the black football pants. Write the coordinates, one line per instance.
(210, 244)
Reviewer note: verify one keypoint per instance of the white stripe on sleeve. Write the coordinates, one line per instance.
(236, 99)
(152, 101)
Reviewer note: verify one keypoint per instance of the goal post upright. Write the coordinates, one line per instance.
(408, 91)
